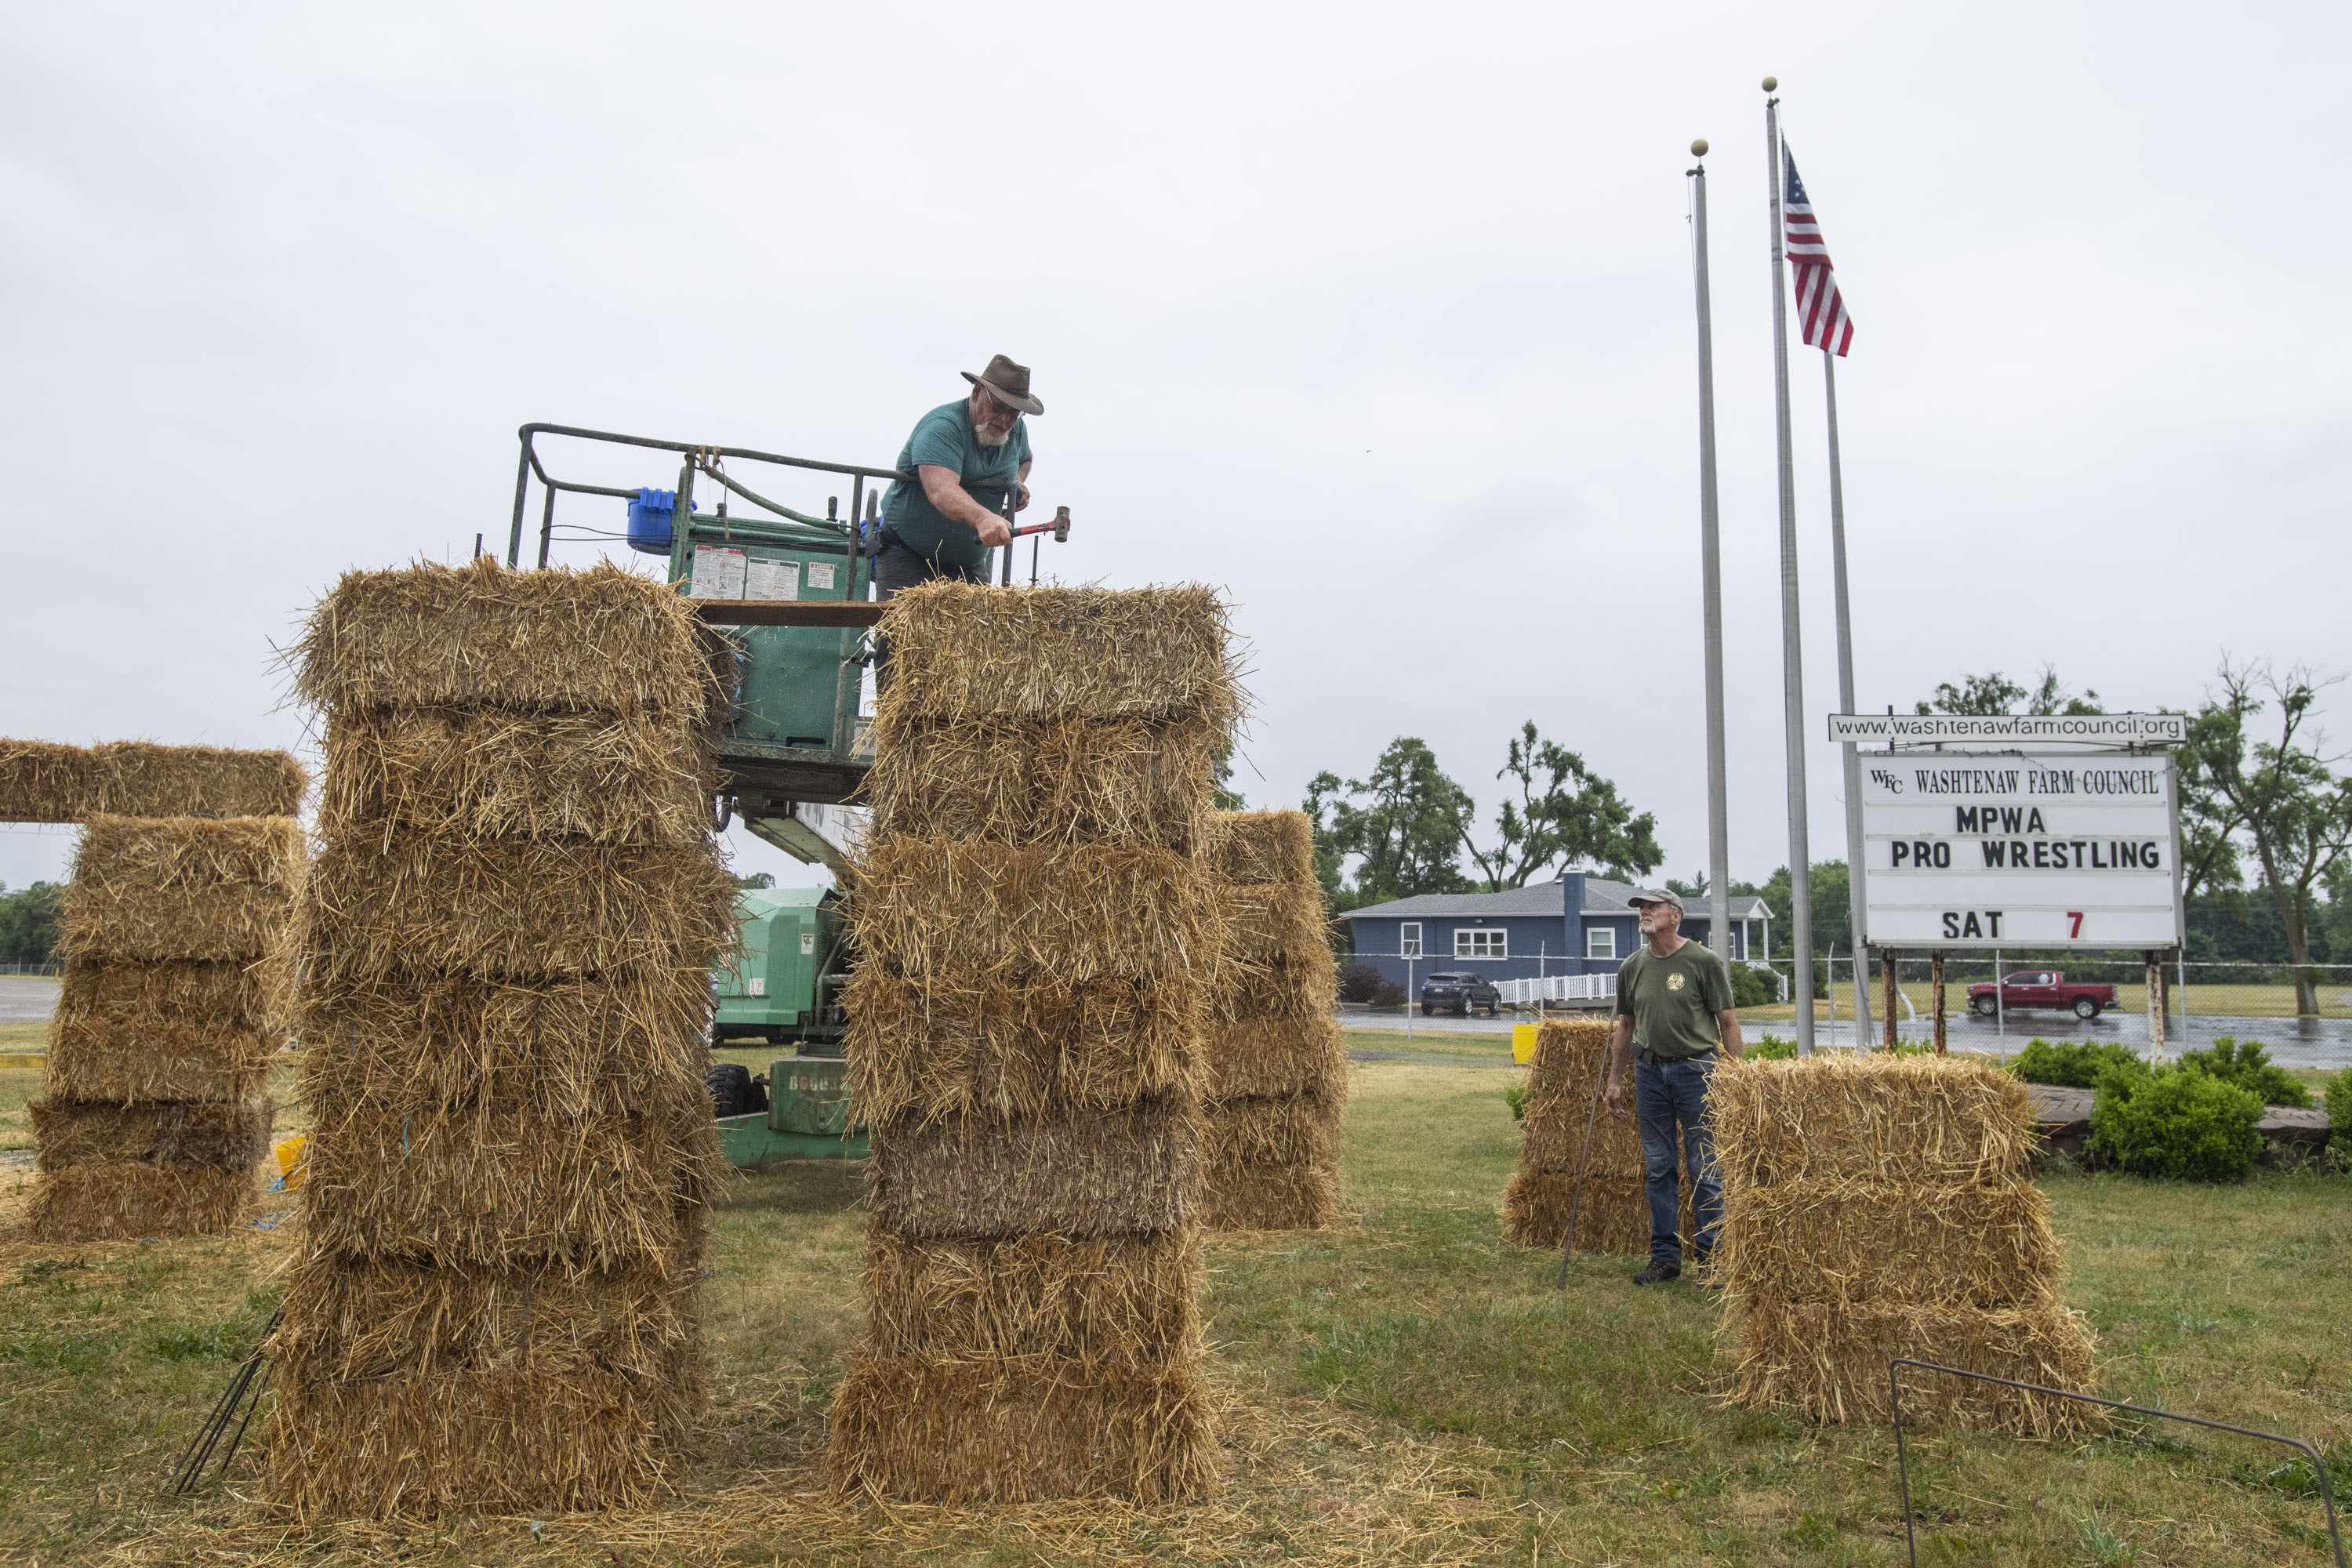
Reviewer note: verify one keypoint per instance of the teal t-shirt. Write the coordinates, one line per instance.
(944, 438)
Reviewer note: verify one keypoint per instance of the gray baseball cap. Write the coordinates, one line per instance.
(1656, 896)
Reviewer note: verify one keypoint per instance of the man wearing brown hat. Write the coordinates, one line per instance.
(965, 455)
(1673, 1012)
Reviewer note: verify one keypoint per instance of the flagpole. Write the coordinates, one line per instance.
(1792, 664)
(1718, 821)
(1854, 844)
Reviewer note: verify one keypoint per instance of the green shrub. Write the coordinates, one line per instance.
(1514, 1095)
(1771, 1049)
(1357, 982)
(2071, 1064)
(1753, 987)
(2340, 1099)
(2250, 1067)
(2175, 1122)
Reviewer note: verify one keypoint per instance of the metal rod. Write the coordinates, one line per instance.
(1710, 554)
(1792, 662)
(547, 526)
(747, 453)
(1903, 1463)
(1855, 850)
(523, 488)
(2001, 1002)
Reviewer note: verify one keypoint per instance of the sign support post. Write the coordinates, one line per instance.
(1935, 972)
(1886, 974)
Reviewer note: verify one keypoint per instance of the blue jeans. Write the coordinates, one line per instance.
(1666, 1093)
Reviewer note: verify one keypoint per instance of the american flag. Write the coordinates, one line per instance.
(1819, 310)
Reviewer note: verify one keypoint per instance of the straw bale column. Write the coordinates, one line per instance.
(1277, 1074)
(1035, 924)
(151, 1119)
(1878, 1206)
(1613, 1214)
(505, 946)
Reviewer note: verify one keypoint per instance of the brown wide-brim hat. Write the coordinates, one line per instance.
(1009, 382)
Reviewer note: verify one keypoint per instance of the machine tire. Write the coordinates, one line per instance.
(732, 1092)
(2087, 1007)
(1983, 1006)
(1462, 1009)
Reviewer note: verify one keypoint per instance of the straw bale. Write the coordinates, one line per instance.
(1827, 1361)
(1269, 1057)
(1986, 1245)
(1290, 1129)
(1124, 1299)
(176, 1136)
(138, 778)
(1271, 1198)
(1083, 1173)
(1563, 1081)
(1613, 1218)
(181, 888)
(1909, 1121)
(929, 907)
(962, 650)
(1016, 1431)
(1272, 926)
(602, 640)
(497, 1440)
(1044, 781)
(1279, 990)
(511, 909)
(346, 1319)
(124, 1200)
(437, 1048)
(160, 1031)
(41, 780)
(496, 1184)
(1009, 1048)
(1265, 847)
(475, 773)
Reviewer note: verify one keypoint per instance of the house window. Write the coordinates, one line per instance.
(1478, 943)
(1409, 938)
(1600, 942)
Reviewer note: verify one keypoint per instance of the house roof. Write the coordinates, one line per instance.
(1600, 897)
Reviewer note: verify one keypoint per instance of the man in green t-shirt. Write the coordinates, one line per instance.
(1673, 1012)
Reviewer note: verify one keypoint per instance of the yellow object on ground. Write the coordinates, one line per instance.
(32, 1059)
(1523, 1042)
(289, 1161)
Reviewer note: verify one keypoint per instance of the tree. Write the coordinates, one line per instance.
(1228, 798)
(28, 922)
(2209, 822)
(2285, 794)
(1565, 814)
(1403, 820)
(1993, 695)
(757, 881)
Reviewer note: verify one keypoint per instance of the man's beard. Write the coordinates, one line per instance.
(988, 437)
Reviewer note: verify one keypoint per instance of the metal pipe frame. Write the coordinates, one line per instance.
(1903, 1456)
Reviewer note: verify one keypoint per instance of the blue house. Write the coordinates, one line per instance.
(1580, 924)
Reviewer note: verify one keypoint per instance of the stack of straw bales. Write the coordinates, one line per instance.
(151, 1118)
(1564, 1081)
(1277, 1073)
(1880, 1206)
(504, 953)
(1035, 926)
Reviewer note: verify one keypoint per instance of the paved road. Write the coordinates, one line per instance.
(27, 998)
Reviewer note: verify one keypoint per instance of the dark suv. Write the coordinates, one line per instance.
(1458, 994)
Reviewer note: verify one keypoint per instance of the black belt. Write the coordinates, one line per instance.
(1649, 1058)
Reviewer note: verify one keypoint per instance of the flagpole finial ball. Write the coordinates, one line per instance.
(1771, 83)
(1699, 148)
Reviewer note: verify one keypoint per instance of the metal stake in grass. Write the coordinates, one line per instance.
(1576, 1194)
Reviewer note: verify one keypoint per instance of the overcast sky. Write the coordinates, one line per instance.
(1377, 316)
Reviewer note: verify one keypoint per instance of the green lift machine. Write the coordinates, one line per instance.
(791, 591)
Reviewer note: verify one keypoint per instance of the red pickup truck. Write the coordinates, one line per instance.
(2040, 988)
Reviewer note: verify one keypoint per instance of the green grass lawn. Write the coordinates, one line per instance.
(1407, 1390)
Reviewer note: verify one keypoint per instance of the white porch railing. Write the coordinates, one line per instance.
(1559, 988)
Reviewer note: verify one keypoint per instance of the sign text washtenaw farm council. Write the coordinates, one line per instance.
(2020, 851)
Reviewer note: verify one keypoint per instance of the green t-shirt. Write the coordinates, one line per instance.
(1673, 1001)
(944, 438)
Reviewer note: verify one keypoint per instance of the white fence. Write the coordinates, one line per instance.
(1559, 988)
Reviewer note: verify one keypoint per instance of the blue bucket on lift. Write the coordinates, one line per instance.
(651, 520)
